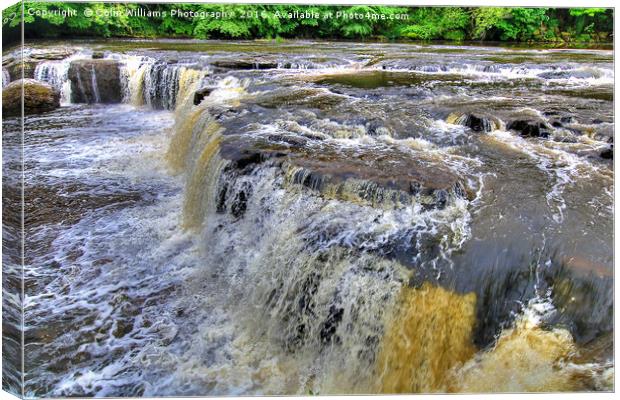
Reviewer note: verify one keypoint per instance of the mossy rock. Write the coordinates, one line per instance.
(38, 97)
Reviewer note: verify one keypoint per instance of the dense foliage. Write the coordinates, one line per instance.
(246, 21)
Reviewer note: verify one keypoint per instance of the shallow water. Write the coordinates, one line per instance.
(321, 222)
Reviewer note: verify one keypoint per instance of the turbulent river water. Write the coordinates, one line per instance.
(314, 217)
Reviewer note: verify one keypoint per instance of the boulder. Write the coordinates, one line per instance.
(95, 81)
(38, 97)
(529, 128)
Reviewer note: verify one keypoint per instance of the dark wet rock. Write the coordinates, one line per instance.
(239, 204)
(567, 120)
(477, 123)
(245, 64)
(329, 326)
(122, 327)
(95, 81)
(98, 55)
(529, 128)
(200, 94)
(608, 154)
(558, 120)
(376, 127)
(38, 97)
(581, 293)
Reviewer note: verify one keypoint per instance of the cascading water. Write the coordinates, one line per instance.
(157, 85)
(56, 73)
(142, 81)
(160, 86)
(323, 224)
(6, 78)
(93, 85)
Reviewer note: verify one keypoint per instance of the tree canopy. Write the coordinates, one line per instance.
(253, 21)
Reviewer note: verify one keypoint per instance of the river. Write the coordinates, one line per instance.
(314, 217)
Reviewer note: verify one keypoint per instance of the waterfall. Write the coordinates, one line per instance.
(160, 86)
(81, 87)
(339, 280)
(6, 78)
(93, 82)
(131, 70)
(155, 84)
(56, 74)
(143, 82)
(309, 257)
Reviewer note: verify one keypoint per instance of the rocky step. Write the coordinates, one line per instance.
(376, 175)
(15, 62)
(95, 81)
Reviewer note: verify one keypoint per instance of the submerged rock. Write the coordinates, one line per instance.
(529, 128)
(95, 81)
(38, 97)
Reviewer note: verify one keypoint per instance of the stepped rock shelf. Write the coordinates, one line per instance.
(265, 217)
